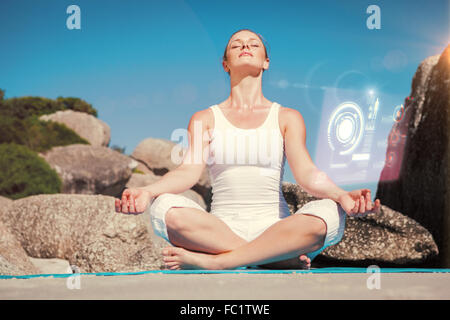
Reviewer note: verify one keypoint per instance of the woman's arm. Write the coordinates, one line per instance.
(305, 172)
(189, 171)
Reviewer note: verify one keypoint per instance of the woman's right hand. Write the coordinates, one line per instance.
(134, 201)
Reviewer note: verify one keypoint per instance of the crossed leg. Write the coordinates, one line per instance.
(195, 232)
(295, 235)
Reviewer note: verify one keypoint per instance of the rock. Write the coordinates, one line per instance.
(13, 258)
(155, 155)
(4, 203)
(7, 268)
(295, 196)
(419, 87)
(139, 180)
(419, 186)
(388, 238)
(142, 180)
(191, 194)
(94, 130)
(86, 169)
(51, 266)
(84, 230)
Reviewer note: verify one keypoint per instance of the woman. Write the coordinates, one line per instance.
(249, 223)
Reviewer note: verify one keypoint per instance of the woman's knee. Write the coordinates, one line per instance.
(160, 208)
(320, 227)
(157, 200)
(317, 227)
(175, 220)
(323, 211)
(157, 212)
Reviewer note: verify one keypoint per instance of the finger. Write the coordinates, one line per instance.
(353, 210)
(362, 205)
(356, 207)
(368, 202)
(124, 203)
(132, 204)
(118, 205)
(377, 206)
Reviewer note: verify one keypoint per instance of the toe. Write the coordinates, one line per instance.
(166, 251)
(170, 259)
(171, 264)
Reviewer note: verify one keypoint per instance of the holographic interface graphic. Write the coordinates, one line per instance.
(353, 136)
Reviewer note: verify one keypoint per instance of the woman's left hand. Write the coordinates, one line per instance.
(358, 203)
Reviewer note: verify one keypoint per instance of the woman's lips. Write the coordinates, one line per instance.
(245, 53)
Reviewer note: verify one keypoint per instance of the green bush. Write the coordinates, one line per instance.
(22, 135)
(24, 107)
(23, 173)
(35, 134)
(76, 104)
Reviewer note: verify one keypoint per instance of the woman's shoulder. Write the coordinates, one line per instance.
(206, 116)
(288, 115)
(287, 112)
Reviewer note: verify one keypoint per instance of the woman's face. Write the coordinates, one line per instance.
(245, 51)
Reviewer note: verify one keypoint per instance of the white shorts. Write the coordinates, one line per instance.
(327, 209)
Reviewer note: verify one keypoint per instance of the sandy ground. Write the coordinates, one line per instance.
(231, 286)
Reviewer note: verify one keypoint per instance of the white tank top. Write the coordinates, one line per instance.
(246, 167)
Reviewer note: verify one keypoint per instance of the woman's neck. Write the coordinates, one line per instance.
(246, 93)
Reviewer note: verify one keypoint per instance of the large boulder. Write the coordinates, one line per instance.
(86, 169)
(5, 203)
(84, 230)
(139, 180)
(386, 239)
(142, 180)
(155, 155)
(418, 186)
(7, 268)
(13, 256)
(52, 265)
(94, 130)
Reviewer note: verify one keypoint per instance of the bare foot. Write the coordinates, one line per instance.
(302, 262)
(305, 262)
(176, 258)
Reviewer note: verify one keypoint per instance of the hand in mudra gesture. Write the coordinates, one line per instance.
(134, 201)
(358, 203)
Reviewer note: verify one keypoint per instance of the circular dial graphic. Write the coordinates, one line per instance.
(345, 128)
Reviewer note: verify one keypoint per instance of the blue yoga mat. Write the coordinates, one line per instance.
(236, 271)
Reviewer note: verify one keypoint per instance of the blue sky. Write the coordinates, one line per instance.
(147, 66)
